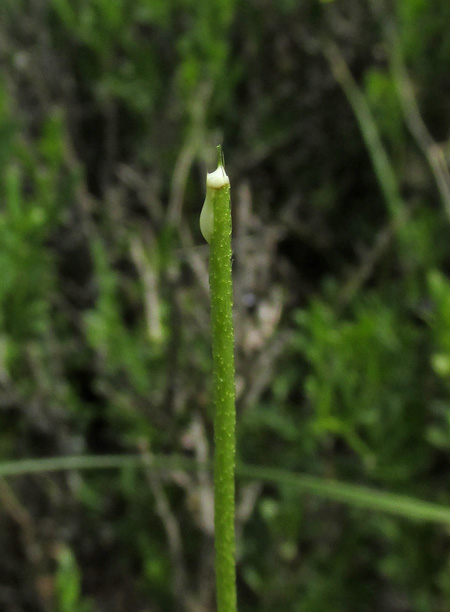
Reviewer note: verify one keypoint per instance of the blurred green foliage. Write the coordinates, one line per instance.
(109, 112)
(68, 584)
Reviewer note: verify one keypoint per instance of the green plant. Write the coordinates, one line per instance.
(215, 222)
(68, 596)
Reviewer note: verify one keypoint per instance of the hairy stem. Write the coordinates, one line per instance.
(224, 393)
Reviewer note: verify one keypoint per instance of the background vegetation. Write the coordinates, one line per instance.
(335, 120)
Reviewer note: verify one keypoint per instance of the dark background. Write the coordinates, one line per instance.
(334, 118)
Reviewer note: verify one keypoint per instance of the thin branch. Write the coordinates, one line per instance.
(416, 125)
(382, 165)
(172, 529)
(353, 495)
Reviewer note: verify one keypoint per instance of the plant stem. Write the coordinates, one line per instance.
(224, 390)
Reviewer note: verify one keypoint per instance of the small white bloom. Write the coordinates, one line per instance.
(214, 180)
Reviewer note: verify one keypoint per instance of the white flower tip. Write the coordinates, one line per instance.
(217, 179)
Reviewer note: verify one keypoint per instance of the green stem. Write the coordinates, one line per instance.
(224, 393)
